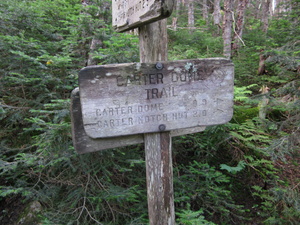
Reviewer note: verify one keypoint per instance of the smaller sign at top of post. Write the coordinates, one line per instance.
(130, 14)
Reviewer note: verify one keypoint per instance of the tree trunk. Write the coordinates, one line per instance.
(205, 10)
(191, 18)
(272, 7)
(217, 12)
(265, 15)
(263, 104)
(238, 32)
(175, 19)
(261, 65)
(178, 4)
(227, 27)
(94, 44)
(217, 16)
(256, 9)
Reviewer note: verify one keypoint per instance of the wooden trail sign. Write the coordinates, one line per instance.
(130, 14)
(137, 98)
(84, 144)
(148, 102)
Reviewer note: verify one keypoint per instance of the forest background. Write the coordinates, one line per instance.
(243, 172)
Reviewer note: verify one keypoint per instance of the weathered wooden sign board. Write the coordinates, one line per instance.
(84, 144)
(137, 98)
(130, 14)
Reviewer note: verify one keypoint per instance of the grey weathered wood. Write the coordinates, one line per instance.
(153, 42)
(159, 178)
(84, 144)
(158, 146)
(136, 98)
(135, 13)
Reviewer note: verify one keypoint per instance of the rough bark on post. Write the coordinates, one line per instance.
(159, 178)
(153, 42)
(153, 48)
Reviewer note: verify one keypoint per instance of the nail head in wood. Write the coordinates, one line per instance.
(159, 66)
(162, 127)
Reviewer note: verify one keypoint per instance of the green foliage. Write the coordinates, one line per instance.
(233, 169)
(125, 43)
(241, 94)
(280, 31)
(284, 62)
(199, 44)
(84, 189)
(203, 187)
(189, 217)
(285, 200)
(38, 72)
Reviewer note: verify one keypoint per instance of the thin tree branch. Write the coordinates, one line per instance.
(233, 26)
(14, 107)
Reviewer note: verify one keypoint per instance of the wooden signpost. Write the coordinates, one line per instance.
(151, 101)
(158, 146)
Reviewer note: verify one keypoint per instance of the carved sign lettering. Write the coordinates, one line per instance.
(85, 144)
(129, 14)
(135, 98)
